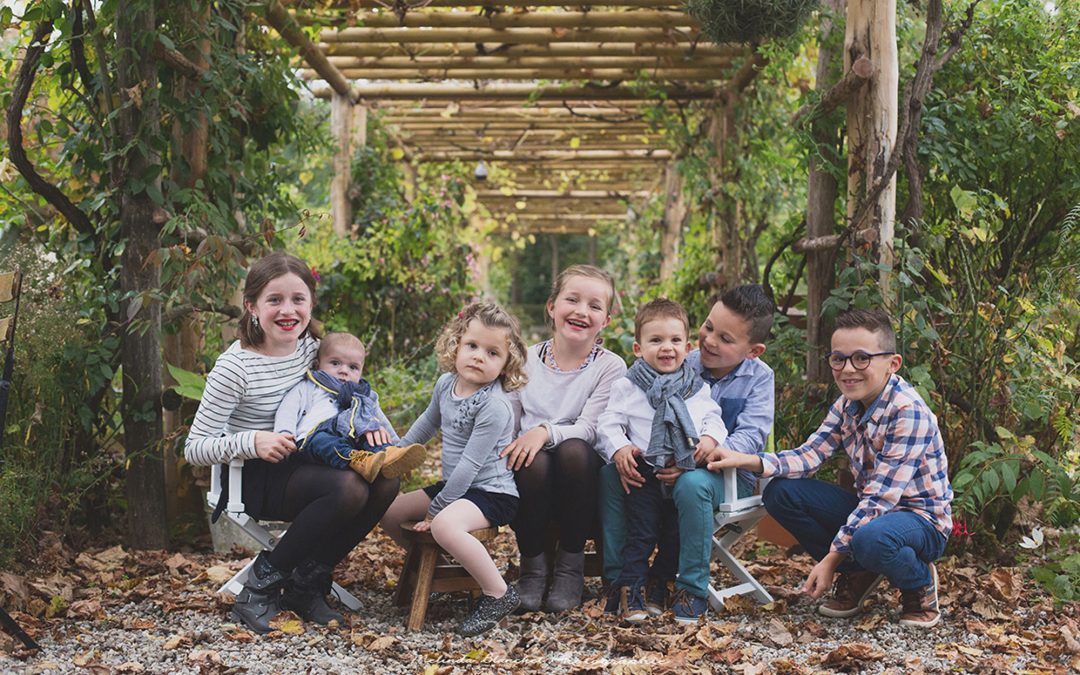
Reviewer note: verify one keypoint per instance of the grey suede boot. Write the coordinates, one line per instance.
(569, 583)
(305, 593)
(533, 582)
(259, 601)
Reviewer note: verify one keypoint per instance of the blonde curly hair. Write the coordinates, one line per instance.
(490, 315)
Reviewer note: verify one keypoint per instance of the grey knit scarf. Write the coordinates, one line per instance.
(673, 430)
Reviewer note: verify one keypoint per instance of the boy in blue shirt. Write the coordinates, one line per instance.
(731, 340)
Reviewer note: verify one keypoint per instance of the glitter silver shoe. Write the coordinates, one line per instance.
(489, 612)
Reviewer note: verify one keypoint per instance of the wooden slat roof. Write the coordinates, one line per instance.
(551, 92)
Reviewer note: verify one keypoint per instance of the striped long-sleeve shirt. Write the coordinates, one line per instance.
(897, 457)
(243, 391)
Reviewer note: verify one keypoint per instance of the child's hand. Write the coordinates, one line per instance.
(524, 448)
(722, 458)
(705, 447)
(669, 474)
(821, 577)
(625, 461)
(273, 448)
(377, 437)
(423, 525)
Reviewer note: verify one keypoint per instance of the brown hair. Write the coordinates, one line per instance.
(874, 320)
(589, 271)
(262, 272)
(489, 315)
(660, 308)
(752, 303)
(339, 338)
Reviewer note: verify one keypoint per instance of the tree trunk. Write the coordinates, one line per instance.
(821, 194)
(674, 214)
(182, 346)
(872, 124)
(140, 276)
(341, 121)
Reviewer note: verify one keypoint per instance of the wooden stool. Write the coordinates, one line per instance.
(429, 569)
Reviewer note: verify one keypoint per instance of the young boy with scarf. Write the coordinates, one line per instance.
(335, 418)
(659, 415)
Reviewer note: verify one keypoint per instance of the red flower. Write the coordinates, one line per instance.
(960, 529)
(315, 273)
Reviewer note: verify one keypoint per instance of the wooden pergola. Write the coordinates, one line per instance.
(548, 95)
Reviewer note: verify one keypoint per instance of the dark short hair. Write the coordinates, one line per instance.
(660, 308)
(262, 272)
(874, 320)
(750, 302)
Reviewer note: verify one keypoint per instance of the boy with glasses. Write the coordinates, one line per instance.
(900, 519)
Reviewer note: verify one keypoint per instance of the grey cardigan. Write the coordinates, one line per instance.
(470, 457)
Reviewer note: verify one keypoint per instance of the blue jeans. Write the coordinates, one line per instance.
(899, 544)
(323, 447)
(650, 523)
(697, 496)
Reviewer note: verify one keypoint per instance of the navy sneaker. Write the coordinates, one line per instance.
(688, 607)
(656, 596)
(634, 604)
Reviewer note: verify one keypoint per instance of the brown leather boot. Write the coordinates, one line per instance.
(367, 464)
(920, 605)
(849, 593)
(402, 460)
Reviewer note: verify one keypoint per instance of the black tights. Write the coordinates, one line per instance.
(331, 512)
(559, 485)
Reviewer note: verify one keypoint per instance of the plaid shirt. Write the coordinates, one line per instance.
(897, 457)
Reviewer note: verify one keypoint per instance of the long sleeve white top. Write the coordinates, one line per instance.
(628, 418)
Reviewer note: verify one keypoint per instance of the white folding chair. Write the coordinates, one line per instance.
(234, 511)
(736, 516)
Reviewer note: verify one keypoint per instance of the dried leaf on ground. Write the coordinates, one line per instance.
(852, 657)
(779, 633)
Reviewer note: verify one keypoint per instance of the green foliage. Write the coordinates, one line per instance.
(188, 384)
(1059, 572)
(406, 267)
(750, 20)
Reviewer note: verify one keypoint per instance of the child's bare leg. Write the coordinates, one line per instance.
(409, 506)
(451, 530)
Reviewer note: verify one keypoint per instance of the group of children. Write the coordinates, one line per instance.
(666, 429)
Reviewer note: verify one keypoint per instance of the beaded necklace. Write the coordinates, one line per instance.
(547, 356)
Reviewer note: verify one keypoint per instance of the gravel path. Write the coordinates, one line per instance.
(157, 613)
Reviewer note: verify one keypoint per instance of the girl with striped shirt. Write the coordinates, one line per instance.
(331, 511)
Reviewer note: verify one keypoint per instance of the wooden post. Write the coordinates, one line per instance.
(674, 214)
(360, 119)
(872, 123)
(821, 194)
(553, 239)
(726, 241)
(341, 119)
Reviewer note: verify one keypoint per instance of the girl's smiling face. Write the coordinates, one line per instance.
(580, 311)
(284, 311)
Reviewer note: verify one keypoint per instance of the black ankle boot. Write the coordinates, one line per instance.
(259, 600)
(305, 593)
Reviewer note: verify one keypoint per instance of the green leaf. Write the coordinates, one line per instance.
(1009, 471)
(966, 202)
(188, 384)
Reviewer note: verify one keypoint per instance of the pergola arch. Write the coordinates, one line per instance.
(538, 88)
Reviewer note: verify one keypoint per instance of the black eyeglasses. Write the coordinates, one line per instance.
(859, 360)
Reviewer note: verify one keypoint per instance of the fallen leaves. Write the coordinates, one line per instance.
(852, 657)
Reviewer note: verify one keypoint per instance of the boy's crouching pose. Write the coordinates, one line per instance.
(900, 519)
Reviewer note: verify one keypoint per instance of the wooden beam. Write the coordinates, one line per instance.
(662, 47)
(551, 73)
(571, 217)
(506, 62)
(539, 36)
(284, 24)
(418, 4)
(511, 92)
(545, 155)
(560, 194)
(507, 20)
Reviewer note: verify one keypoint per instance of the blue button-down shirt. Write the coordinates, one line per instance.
(747, 397)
